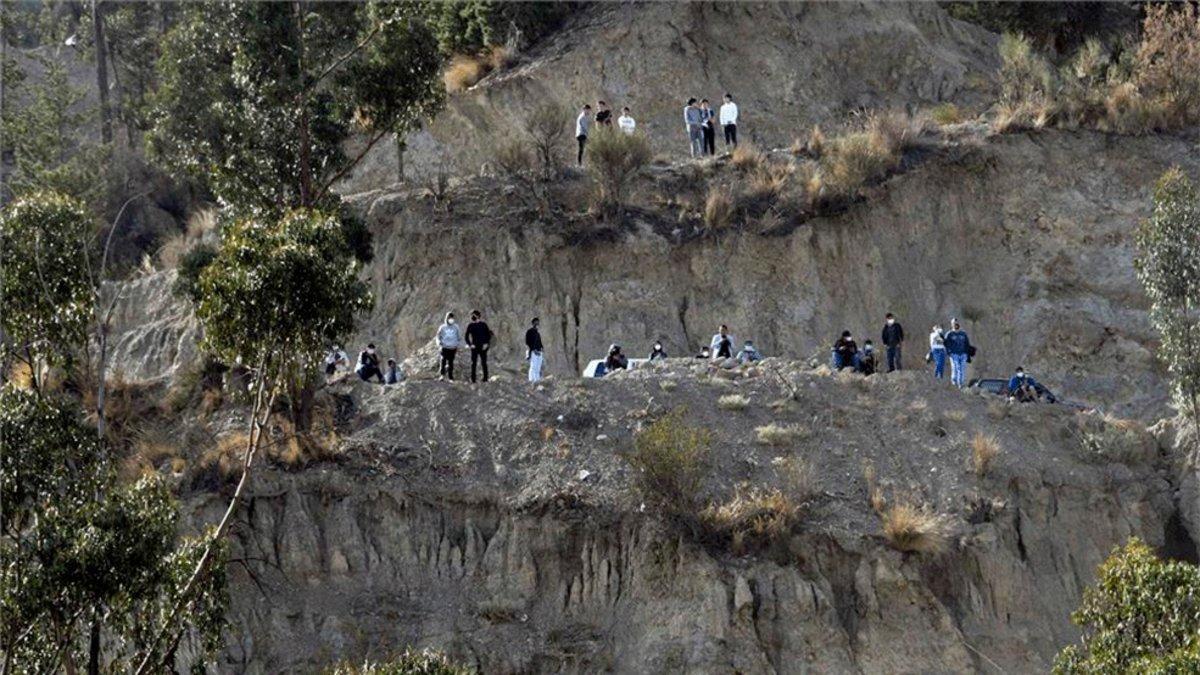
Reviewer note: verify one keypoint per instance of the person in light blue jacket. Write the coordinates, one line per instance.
(693, 122)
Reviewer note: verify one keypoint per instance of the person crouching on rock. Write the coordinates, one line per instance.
(748, 354)
(479, 336)
(392, 374)
(449, 337)
(867, 365)
(721, 345)
(335, 358)
(368, 364)
(657, 352)
(845, 352)
(616, 360)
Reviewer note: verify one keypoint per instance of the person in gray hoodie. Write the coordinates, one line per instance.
(693, 121)
(449, 337)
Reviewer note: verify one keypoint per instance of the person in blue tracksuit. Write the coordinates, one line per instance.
(958, 348)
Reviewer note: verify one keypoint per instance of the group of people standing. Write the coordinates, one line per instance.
(953, 345)
(699, 119)
(700, 122)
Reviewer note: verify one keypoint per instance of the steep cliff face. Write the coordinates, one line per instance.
(789, 65)
(1027, 239)
(457, 518)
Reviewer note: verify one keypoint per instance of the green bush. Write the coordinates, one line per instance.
(191, 264)
(614, 159)
(671, 460)
(1142, 616)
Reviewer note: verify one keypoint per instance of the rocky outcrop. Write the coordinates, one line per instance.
(154, 335)
(789, 65)
(456, 519)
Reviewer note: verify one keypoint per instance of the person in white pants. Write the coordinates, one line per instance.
(533, 350)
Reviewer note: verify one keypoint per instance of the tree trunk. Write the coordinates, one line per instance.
(101, 71)
(306, 178)
(94, 647)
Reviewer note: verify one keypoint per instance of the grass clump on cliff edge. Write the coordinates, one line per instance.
(984, 450)
(913, 529)
(410, 662)
(670, 460)
(758, 518)
(862, 156)
(614, 159)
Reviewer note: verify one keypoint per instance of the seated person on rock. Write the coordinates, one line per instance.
(392, 373)
(721, 345)
(616, 360)
(866, 361)
(1025, 389)
(657, 352)
(704, 353)
(845, 352)
(368, 364)
(335, 358)
(748, 354)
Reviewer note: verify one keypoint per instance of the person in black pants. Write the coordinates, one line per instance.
(582, 124)
(893, 338)
(708, 115)
(368, 365)
(479, 336)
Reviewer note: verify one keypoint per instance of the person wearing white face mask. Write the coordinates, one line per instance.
(657, 352)
(449, 337)
(368, 365)
(893, 339)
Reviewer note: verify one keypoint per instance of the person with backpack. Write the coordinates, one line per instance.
(533, 350)
(582, 124)
(937, 352)
(959, 349)
(479, 336)
(449, 337)
(368, 365)
(721, 346)
(893, 339)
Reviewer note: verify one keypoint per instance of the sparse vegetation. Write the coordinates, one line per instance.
(1141, 616)
(465, 70)
(984, 451)
(913, 529)
(614, 159)
(411, 662)
(547, 126)
(733, 402)
(718, 209)
(779, 435)
(946, 113)
(859, 157)
(752, 519)
(746, 157)
(1110, 439)
(670, 460)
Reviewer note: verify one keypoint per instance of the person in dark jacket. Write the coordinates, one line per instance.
(603, 115)
(867, 365)
(368, 364)
(616, 360)
(1025, 389)
(479, 336)
(657, 352)
(893, 339)
(845, 352)
(533, 350)
(958, 348)
(708, 127)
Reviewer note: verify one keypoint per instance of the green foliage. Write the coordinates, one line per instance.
(1142, 616)
(614, 159)
(1168, 265)
(75, 545)
(278, 291)
(191, 264)
(467, 26)
(44, 279)
(671, 460)
(259, 100)
(411, 662)
(45, 127)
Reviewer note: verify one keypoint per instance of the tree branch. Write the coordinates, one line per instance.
(353, 163)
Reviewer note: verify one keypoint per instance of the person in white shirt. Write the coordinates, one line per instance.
(335, 358)
(721, 345)
(626, 121)
(729, 117)
(582, 123)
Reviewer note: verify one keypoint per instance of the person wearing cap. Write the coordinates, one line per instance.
(335, 358)
(533, 350)
(748, 353)
(845, 352)
(958, 348)
(1024, 389)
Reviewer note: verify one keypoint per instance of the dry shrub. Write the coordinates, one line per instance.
(1128, 112)
(223, 461)
(746, 157)
(816, 142)
(614, 159)
(670, 459)
(668, 385)
(1111, 439)
(514, 158)
(946, 113)
(766, 183)
(1167, 63)
(718, 209)
(463, 72)
(499, 57)
(956, 415)
(172, 251)
(733, 402)
(798, 477)
(913, 529)
(874, 494)
(778, 435)
(857, 158)
(984, 450)
(547, 125)
(752, 519)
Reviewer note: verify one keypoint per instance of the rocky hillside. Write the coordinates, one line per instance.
(499, 523)
(790, 65)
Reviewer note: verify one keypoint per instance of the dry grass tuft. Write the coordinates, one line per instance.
(752, 519)
(915, 530)
(946, 113)
(718, 209)
(668, 385)
(816, 142)
(746, 157)
(778, 435)
(463, 72)
(955, 415)
(984, 450)
(733, 402)
(798, 477)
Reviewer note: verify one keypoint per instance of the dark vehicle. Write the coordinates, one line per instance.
(999, 387)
